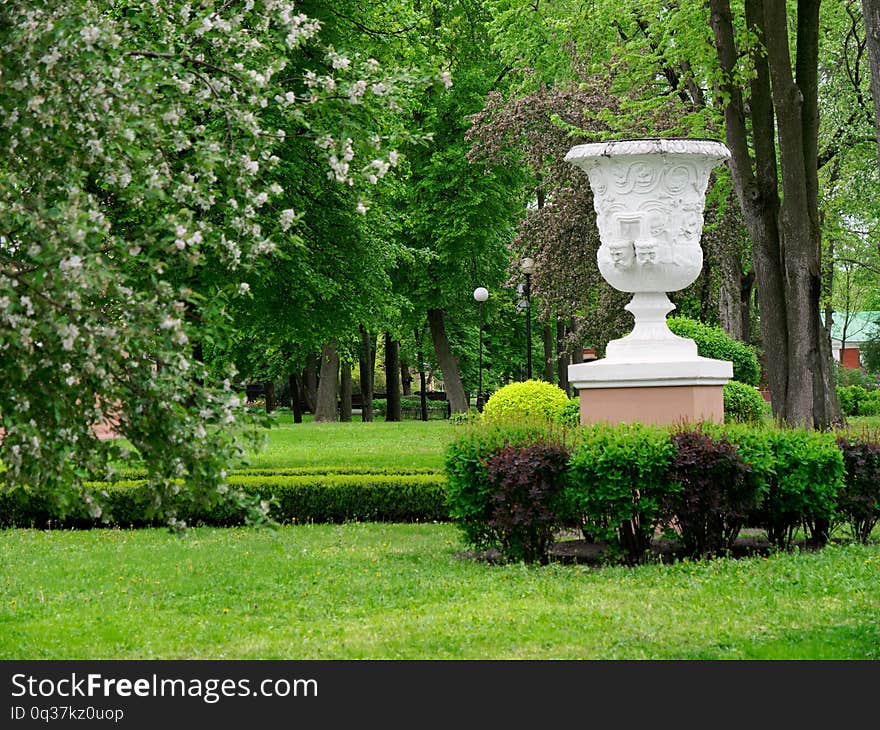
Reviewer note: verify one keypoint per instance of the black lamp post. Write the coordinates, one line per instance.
(527, 266)
(481, 294)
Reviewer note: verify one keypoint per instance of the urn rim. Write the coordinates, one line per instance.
(686, 146)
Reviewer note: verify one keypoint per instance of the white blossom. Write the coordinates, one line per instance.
(286, 219)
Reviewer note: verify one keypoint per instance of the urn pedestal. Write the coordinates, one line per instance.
(649, 196)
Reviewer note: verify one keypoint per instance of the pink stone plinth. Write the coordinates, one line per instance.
(657, 405)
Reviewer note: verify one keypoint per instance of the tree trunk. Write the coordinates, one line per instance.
(423, 396)
(325, 409)
(810, 379)
(730, 303)
(269, 389)
(746, 287)
(366, 355)
(345, 392)
(458, 402)
(295, 398)
(392, 378)
(871, 12)
(310, 383)
(547, 339)
(757, 190)
(561, 356)
(405, 379)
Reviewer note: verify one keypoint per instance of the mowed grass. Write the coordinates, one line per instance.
(380, 591)
(407, 444)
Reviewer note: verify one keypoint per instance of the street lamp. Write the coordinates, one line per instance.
(527, 266)
(481, 294)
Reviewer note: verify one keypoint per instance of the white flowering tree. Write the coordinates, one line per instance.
(141, 182)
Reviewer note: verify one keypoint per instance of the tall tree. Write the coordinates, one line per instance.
(783, 224)
(871, 11)
(459, 216)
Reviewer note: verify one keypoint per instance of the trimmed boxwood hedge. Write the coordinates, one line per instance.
(294, 498)
(715, 343)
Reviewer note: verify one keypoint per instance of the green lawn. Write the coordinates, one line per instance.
(378, 444)
(864, 423)
(404, 592)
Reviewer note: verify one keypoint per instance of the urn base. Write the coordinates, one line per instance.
(659, 393)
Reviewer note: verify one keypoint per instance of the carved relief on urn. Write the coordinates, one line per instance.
(649, 197)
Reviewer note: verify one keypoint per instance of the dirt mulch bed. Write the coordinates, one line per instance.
(568, 549)
(584, 552)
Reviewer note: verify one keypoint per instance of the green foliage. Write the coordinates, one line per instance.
(809, 474)
(618, 480)
(526, 483)
(859, 500)
(871, 356)
(570, 414)
(850, 376)
(870, 406)
(327, 496)
(469, 491)
(529, 399)
(713, 342)
(743, 403)
(799, 473)
(852, 400)
(472, 415)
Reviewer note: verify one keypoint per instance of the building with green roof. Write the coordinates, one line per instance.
(851, 330)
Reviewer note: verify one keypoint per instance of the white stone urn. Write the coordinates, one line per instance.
(649, 196)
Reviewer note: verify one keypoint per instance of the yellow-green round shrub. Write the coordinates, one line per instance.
(532, 399)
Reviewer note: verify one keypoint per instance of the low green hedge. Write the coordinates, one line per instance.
(411, 408)
(626, 484)
(294, 498)
(715, 343)
(743, 403)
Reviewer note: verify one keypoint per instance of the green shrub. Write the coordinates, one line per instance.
(716, 494)
(525, 483)
(327, 497)
(807, 476)
(530, 399)
(798, 475)
(570, 415)
(715, 343)
(859, 500)
(852, 399)
(617, 482)
(743, 403)
(469, 492)
(870, 406)
(756, 446)
(851, 376)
